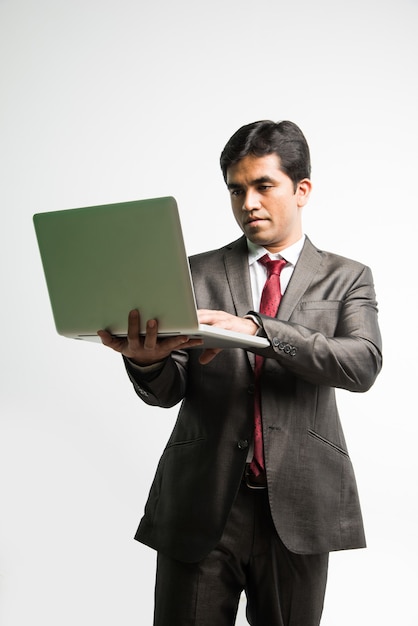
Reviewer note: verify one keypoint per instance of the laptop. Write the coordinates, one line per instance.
(100, 262)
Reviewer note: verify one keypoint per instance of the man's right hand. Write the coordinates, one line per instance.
(148, 349)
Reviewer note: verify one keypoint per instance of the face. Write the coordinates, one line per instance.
(264, 201)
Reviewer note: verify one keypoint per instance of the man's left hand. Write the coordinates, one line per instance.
(224, 320)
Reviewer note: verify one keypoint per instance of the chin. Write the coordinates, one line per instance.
(258, 239)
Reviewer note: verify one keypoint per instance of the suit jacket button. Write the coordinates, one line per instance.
(251, 389)
(242, 444)
(276, 341)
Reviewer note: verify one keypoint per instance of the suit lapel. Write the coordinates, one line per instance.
(238, 276)
(305, 270)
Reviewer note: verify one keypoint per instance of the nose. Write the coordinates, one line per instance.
(251, 200)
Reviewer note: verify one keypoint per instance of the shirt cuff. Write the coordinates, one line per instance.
(255, 320)
(145, 369)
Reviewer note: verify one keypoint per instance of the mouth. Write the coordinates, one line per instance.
(254, 221)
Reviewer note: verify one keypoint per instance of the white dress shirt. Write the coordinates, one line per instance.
(258, 272)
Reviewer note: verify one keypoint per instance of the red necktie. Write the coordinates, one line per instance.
(270, 300)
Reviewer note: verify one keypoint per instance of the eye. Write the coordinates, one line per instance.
(236, 192)
(264, 187)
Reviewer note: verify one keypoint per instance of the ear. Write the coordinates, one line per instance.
(303, 191)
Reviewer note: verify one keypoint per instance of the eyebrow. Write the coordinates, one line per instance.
(256, 181)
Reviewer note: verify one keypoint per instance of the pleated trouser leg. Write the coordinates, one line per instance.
(282, 588)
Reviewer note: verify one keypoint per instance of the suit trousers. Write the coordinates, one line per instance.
(282, 588)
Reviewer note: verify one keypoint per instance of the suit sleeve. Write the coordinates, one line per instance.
(349, 358)
(164, 387)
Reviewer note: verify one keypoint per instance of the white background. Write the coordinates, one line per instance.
(119, 100)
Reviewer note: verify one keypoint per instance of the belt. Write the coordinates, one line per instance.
(252, 481)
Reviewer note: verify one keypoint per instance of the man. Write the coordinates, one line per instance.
(243, 501)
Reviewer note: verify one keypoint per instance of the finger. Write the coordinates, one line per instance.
(184, 343)
(151, 335)
(105, 337)
(208, 355)
(108, 340)
(206, 316)
(134, 322)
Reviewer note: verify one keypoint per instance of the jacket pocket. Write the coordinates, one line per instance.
(327, 442)
(187, 442)
(319, 305)
(322, 315)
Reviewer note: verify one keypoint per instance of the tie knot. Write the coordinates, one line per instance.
(272, 266)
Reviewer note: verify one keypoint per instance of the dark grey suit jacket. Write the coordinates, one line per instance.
(325, 336)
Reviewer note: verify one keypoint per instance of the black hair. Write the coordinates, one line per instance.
(267, 137)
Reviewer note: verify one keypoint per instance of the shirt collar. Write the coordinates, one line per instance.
(290, 254)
